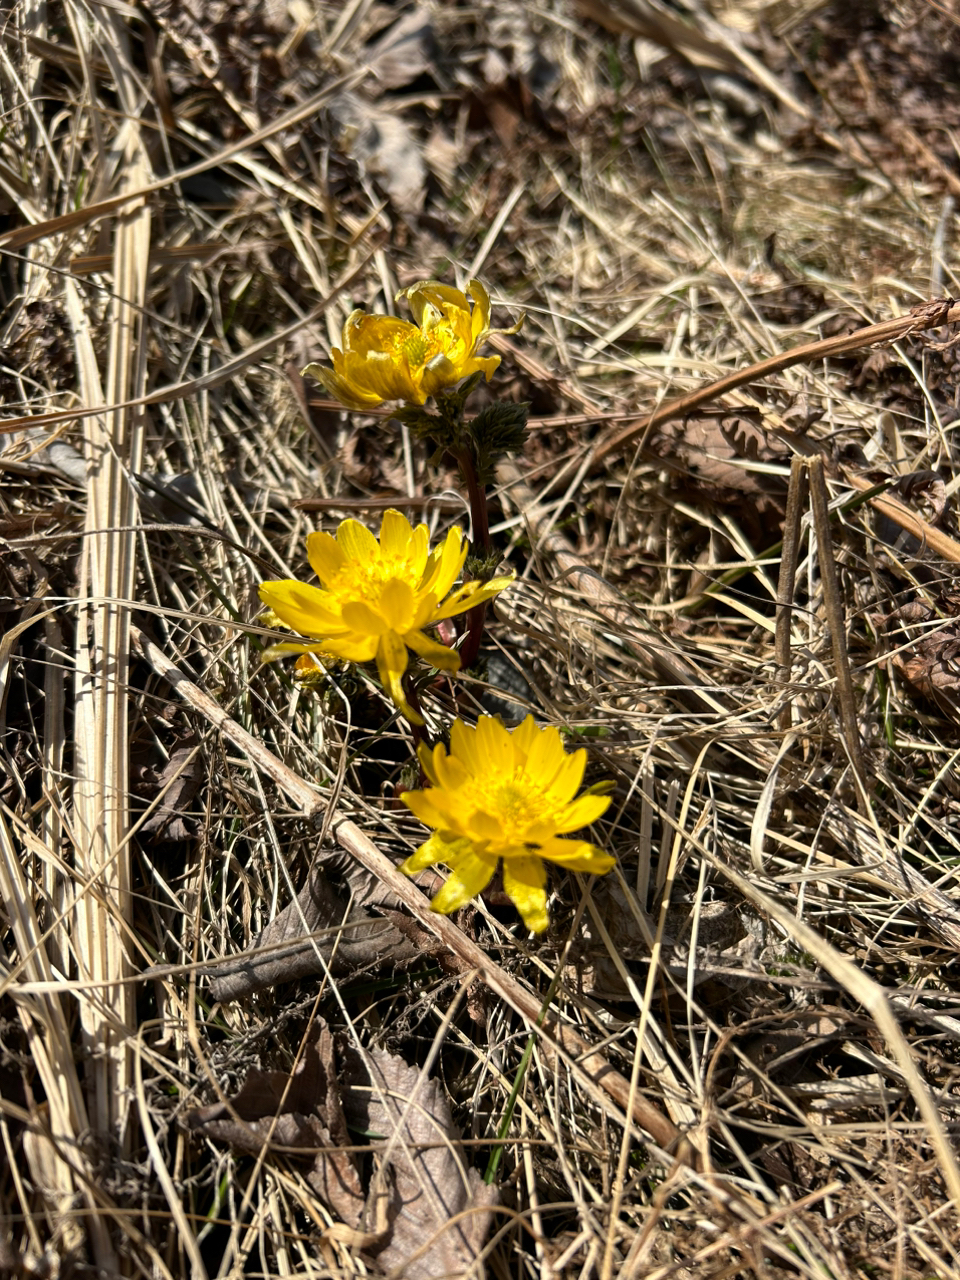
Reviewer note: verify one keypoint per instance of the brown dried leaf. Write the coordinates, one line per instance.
(712, 453)
(276, 1110)
(650, 22)
(927, 652)
(181, 777)
(439, 1209)
(384, 146)
(404, 51)
(424, 1213)
(708, 445)
(923, 490)
(357, 939)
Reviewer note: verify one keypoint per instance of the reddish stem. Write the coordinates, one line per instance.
(478, 500)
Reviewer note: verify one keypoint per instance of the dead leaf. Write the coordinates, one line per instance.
(713, 453)
(424, 1212)
(355, 939)
(287, 1112)
(925, 491)
(927, 652)
(404, 51)
(384, 146)
(648, 21)
(178, 781)
(439, 1209)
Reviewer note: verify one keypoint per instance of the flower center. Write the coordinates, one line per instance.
(518, 803)
(439, 338)
(366, 580)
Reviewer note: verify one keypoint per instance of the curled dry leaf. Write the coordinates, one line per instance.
(724, 458)
(298, 1115)
(423, 1213)
(923, 490)
(178, 783)
(404, 51)
(927, 652)
(384, 146)
(324, 929)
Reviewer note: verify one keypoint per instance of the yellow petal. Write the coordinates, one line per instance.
(325, 555)
(566, 782)
(577, 855)
(397, 604)
(436, 849)
(364, 618)
(524, 880)
(391, 664)
(545, 756)
(427, 757)
(470, 875)
(301, 607)
(350, 397)
(395, 535)
(463, 745)
(480, 320)
(493, 745)
(281, 650)
(438, 655)
(525, 735)
(386, 374)
(580, 813)
(445, 564)
(365, 335)
(452, 774)
(421, 806)
(352, 646)
(470, 595)
(357, 542)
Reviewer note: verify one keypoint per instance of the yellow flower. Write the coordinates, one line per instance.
(504, 794)
(375, 598)
(384, 358)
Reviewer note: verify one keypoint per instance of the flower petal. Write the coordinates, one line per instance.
(325, 556)
(577, 855)
(494, 746)
(463, 745)
(440, 372)
(364, 619)
(357, 542)
(566, 782)
(396, 535)
(480, 320)
(391, 664)
(275, 651)
(524, 880)
(350, 397)
(438, 655)
(545, 756)
(470, 595)
(445, 563)
(470, 874)
(436, 849)
(396, 604)
(301, 607)
(420, 805)
(580, 813)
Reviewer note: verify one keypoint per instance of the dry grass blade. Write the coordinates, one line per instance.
(113, 449)
(926, 315)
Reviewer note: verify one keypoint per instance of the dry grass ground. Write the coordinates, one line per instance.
(751, 1054)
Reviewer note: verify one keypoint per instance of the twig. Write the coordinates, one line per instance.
(796, 495)
(836, 621)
